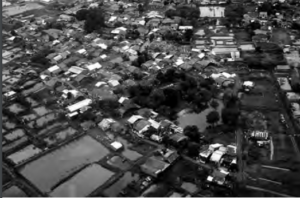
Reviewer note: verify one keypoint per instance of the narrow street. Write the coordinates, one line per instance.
(239, 142)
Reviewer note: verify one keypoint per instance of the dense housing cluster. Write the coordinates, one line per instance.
(151, 98)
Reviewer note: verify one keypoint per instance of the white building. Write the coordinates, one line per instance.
(212, 11)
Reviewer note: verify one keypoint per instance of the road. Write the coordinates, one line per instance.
(239, 142)
(267, 191)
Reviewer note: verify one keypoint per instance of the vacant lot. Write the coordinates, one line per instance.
(263, 95)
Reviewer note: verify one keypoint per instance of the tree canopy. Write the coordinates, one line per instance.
(213, 117)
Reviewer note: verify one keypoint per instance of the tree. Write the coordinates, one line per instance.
(192, 132)
(95, 20)
(213, 117)
(193, 149)
(172, 97)
(230, 116)
(214, 104)
(81, 14)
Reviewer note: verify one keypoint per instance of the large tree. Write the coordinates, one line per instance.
(95, 20)
(213, 117)
(192, 132)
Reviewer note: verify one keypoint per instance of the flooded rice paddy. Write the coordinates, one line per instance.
(115, 189)
(9, 125)
(84, 182)
(62, 162)
(18, 133)
(30, 117)
(14, 144)
(41, 110)
(60, 136)
(14, 191)
(52, 127)
(16, 108)
(45, 120)
(199, 119)
(24, 154)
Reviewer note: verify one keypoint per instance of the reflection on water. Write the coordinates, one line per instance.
(186, 118)
(16, 108)
(130, 154)
(115, 189)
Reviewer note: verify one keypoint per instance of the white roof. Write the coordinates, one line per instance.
(98, 84)
(216, 156)
(248, 83)
(154, 123)
(102, 45)
(284, 84)
(81, 51)
(11, 38)
(215, 146)
(185, 27)
(233, 161)
(114, 82)
(122, 99)
(94, 66)
(113, 18)
(210, 178)
(201, 55)
(179, 62)
(10, 93)
(76, 70)
(134, 118)
(72, 114)
(168, 56)
(116, 145)
(53, 68)
(79, 105)
(103, 56)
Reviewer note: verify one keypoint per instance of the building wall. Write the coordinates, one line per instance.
(212, 11)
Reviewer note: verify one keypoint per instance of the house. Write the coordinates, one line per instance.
(79, 105)
(293, 97)
(205, 155)
(106, 123)
(178, 140)
(259, 135)
(219, 177)
(154, 167)
(282, 68)
(167, 155)
(217, 156)
(296, 110)
(284, 84)
(248, 85)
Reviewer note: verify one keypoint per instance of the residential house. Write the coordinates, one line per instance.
(284, 84)
(293, 97)
(154, 167)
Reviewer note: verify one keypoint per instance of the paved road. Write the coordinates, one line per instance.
(267, 191)
(239, 141)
